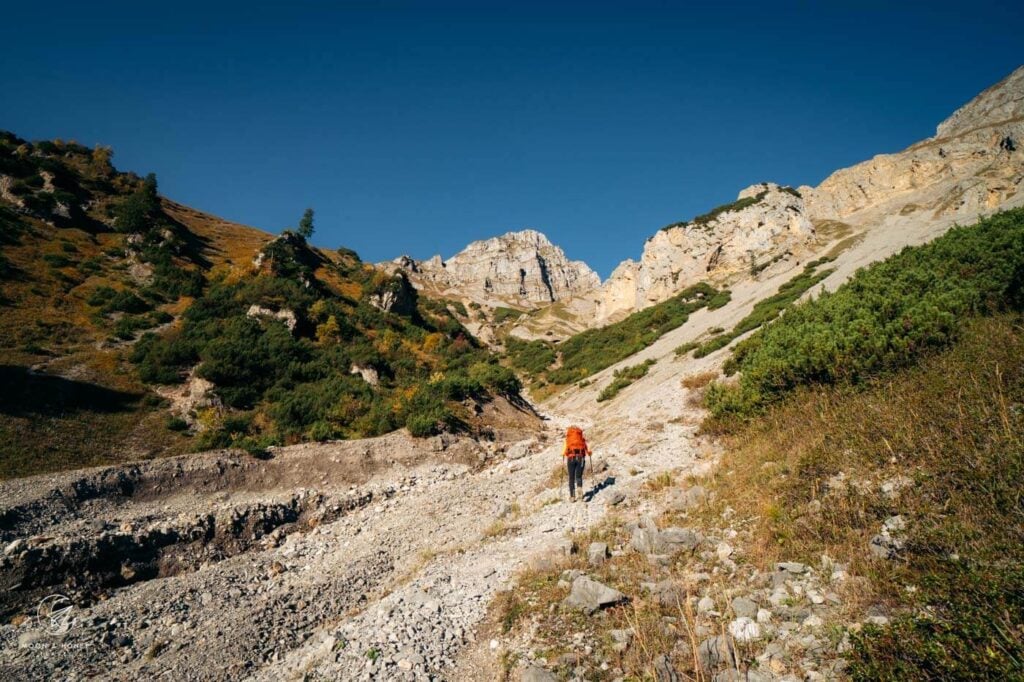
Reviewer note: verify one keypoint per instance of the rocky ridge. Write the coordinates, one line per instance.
(973, 164)
(766, 224)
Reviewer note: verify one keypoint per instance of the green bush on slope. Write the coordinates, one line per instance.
(296, 384)
(595, 349)
(766, 310)
(624, 377)
(883, 317)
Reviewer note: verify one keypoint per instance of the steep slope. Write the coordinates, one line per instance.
(973, 164)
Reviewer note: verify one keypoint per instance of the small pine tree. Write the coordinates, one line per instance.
(137, 212)
(306, 224)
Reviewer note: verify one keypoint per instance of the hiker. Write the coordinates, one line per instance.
(575, 453)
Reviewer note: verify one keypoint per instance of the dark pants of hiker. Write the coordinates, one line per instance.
(575, 465)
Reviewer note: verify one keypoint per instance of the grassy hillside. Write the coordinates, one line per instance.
(283, 385)
(951, 430)
(109, 291)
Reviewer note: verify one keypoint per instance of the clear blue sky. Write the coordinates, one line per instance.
(417, 127)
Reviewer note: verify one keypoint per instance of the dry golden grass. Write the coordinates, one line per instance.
(660, 482)
(952, 428)
(225, 242)
(699, 380)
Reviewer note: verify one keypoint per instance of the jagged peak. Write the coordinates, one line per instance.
(526, 236)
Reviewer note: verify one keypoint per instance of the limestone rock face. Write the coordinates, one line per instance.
(768, 222)
(973, 164)
(284, 315)
(521, 267)
(395, 295)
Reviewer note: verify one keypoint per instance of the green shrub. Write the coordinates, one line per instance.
(110, 300)
(128, 325)
(623, 378)
(177, 424)
(162, 360)
(685, 348)
(531, 357)
(767, 309)
(56, 260)
(138, 212)
(503, 314)
(595, 349)
(719, 299)
(706, 218)
(172, 281)
(884, 317)
(495, 378)
(430, 418)
(90, 266)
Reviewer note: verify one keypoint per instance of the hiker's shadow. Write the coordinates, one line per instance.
(590, 494)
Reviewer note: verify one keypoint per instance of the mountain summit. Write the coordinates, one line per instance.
(517, 268)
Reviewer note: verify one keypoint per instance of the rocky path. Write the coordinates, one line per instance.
(383, 579)
(493, 524)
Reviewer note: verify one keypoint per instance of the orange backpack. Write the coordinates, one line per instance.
(575, 443)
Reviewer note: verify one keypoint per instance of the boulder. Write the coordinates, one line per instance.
(663, 670)
(715, 652)
(786, 571)
(684, 500)
(368, 374)
(621, 639)
(588, 595)
(890, 541)
(520, 449)
(614, 497)
(645, 540)
(597, 553)
(667, 592)
(534, 673)
(745, 629)
(676, 539)
(744, 607)
(395, 295)
(284, 315)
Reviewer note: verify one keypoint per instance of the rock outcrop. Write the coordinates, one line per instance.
(286, 316)
(764, 224)
(974, 163)
(394, 295)
(518, 267)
